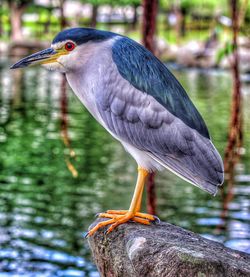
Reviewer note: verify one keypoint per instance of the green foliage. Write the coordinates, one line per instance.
(113, 2)
(225, 51)
(200, 6)
(20, 3)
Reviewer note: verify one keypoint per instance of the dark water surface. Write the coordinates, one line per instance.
(44, 210)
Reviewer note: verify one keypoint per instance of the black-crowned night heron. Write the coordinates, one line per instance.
(139, 102)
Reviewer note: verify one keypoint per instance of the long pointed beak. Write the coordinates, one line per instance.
(48, 55)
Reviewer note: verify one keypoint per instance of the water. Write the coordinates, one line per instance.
(44, 209)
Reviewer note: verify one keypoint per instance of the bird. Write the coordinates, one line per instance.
(136, 98)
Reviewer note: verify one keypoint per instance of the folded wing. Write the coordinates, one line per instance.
(176, 140)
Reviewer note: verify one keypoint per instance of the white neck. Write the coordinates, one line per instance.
(95, 61)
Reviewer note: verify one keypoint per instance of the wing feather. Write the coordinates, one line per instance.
(148, 74)
(138, 119)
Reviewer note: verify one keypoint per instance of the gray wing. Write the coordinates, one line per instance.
(145, 72)
(139, 119)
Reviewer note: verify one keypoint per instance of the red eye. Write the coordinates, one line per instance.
(69, 46)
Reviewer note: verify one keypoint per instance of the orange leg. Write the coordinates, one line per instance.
(138, 204)
(122, 216)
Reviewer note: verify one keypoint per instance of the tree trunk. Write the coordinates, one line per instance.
(63, 21)
(64, 111)
(94, 16)
(178, 25)
(163, 250)
(183, 22)
(1, 23)
(16, 12)
(48, 21)
(235, 135)
(135, 17)
(64, 127)
(151, 194)
(150, 8)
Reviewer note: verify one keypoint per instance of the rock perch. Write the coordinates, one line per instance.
(163, 250)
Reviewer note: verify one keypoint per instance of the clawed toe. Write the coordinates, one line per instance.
(119, 217)
(85, 234)
(156, 219)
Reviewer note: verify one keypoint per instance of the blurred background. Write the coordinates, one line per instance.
(58, 167)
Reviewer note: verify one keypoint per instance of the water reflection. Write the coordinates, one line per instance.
(44, 210)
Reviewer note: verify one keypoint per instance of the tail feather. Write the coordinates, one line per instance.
(204, 168)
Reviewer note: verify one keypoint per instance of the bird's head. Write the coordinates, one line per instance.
(68, 50)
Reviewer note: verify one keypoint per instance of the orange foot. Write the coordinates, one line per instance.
(120, 217)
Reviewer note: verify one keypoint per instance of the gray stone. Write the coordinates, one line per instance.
(163, 249)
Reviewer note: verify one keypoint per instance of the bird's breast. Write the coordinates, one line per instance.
(84, 89)
(93, 81)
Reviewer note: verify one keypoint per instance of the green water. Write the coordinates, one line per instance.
(44, 210)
